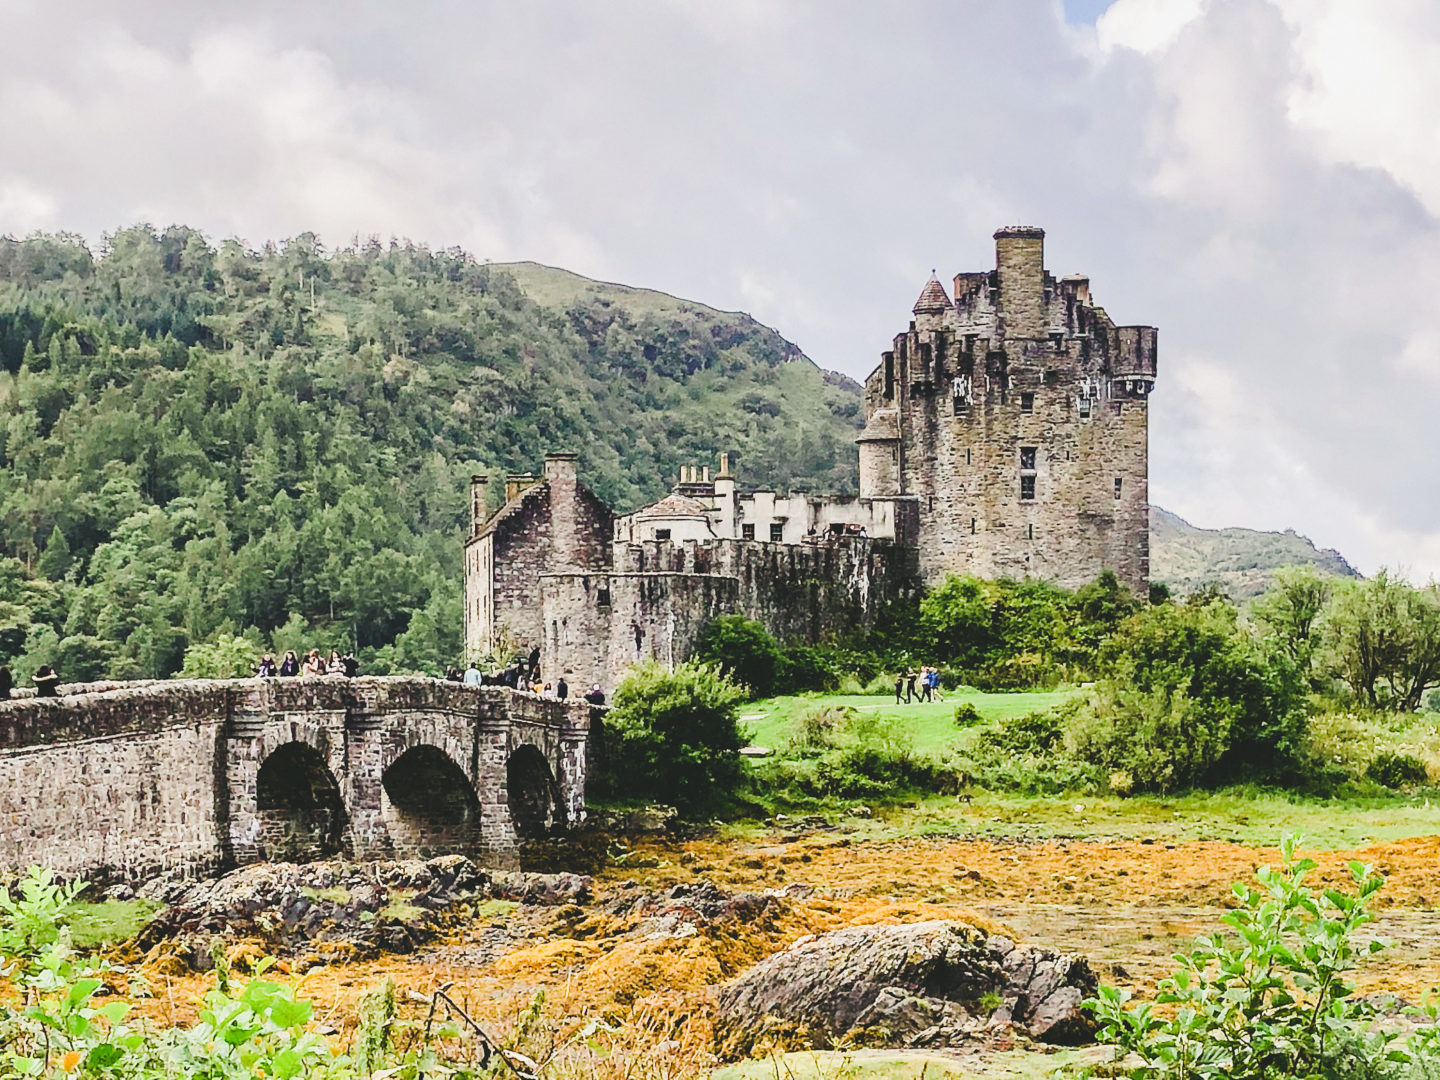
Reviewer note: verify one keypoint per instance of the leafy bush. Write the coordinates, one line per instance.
(1272, 1002)
(1393, 770)
(966, 715)
(815, 729)
(744, 650)
(227, 657)
(875, 756)
(1023, 671)
(675, 736)
(805, 668)
(1187, 698)
(1033, 733)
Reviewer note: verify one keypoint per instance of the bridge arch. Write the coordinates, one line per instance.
(299, 810)
(535, 802)
(428, 804)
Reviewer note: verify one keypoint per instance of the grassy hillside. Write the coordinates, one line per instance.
(1239, 561)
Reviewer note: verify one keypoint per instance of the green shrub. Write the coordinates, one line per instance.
(675, 736)
(1023, 671)
(744, 650)
(804, 668)
(1393, 770)
(1187, 698)
(966, 715)
(1272, 1002)
(1033, 733)
(227, 657)
(816, 728)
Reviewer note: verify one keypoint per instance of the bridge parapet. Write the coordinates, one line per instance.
(198, 774)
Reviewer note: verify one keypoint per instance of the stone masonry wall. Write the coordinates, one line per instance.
(126, 783)
(657, 602)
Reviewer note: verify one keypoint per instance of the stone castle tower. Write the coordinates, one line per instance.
(1015, 416)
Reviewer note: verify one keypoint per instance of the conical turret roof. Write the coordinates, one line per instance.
(933, 300)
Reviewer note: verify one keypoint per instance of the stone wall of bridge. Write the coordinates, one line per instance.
(197, 776)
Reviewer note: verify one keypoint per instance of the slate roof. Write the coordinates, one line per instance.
(882, 426)
(509, 509)
(675, 505)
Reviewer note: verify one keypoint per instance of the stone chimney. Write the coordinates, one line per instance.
(517, 482)
(1020, 259)
(561, 476)
(479, 487)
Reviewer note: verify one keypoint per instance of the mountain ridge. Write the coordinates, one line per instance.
(1241, 561)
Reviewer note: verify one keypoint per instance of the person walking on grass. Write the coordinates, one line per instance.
(925, 694)
(935, 684)
(899, 685)
(910, 676)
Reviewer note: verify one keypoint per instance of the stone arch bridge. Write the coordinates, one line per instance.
(200, 775)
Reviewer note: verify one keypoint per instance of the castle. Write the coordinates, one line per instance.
(1006, 435)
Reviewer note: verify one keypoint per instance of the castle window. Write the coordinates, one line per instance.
(747, 531)
(967, 455)
(1118, 482)
(1027, 487)
(602, 597)
(1084, 408)
(1027, 459)
(662, 534)
(1027, 402)
(777, 532)
(972, 526)
(1030, 531)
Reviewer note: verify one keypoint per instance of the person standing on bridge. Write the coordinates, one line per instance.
(7, 682)
(472, 674)
(562, 689)
(46, 681)
(290, 665)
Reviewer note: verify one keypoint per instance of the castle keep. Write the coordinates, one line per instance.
(1006, 435)
(1016, 415)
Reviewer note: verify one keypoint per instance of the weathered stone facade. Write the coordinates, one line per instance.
(1015, 414)
(197, 776)
(1006, 436)
(545, 524)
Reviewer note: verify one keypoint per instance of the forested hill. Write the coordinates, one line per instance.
(200, 439)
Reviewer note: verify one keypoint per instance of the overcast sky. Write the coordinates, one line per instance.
(1259, 179)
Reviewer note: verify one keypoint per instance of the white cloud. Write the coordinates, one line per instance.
(26, 208)
(1144, 26)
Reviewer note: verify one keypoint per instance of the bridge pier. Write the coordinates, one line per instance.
(499, 842)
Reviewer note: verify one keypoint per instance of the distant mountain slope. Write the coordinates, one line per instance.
(741, 386)
(1240, 561)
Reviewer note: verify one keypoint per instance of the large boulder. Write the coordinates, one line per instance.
(921, 984)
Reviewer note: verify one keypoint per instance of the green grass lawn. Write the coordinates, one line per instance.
(771, 721)
(1255, 816)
